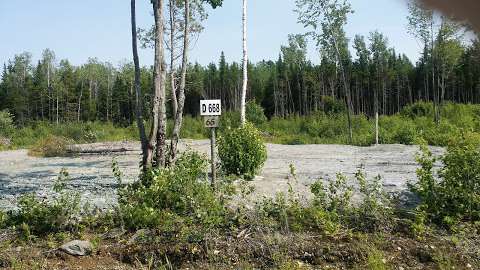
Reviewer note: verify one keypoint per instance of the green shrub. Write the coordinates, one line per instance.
(172, 196)
(332, 105)
(374, 212)
(6, 124)
(333, 207)
(242, 151)
(418, 109)
(51, 146)
(455, 195)
(3, 219)
(255, 113)
(397, 130)
(335, 197)
(40, 216)
(229, 119)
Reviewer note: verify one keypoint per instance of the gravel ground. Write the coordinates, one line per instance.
(92, 174)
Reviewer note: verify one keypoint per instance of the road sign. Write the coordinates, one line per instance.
(211, 121)
(210, 107)
(211, 111)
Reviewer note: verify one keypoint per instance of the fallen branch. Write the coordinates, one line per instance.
(98, 151)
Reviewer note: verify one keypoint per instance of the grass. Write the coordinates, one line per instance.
(413, 125)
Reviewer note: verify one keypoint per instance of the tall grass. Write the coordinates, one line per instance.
(76, 132)
(413, 125)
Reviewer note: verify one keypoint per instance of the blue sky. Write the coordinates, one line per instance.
(77, 30)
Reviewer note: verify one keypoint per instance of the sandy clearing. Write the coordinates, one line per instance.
(92, 175)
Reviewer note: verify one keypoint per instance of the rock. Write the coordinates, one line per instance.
(77, 248)
(113, 234)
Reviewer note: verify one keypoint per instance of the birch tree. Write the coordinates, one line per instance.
(327, 19)
(193, 15)
(181, 93)
(435, 32)
(159, 126)
(245, 64)
(146, 163)
(378, 49)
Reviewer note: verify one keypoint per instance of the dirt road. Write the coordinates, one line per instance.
(92, 174)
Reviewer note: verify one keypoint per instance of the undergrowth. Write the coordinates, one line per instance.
(413, 125)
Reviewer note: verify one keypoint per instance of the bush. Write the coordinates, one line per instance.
(171, 197)
(40, 216)
(229, 120)
(397, 129)
(374, 212)
(455, 195)
(242, 151)
(51, 146)
(332, 105)
(3, 219)
(6, 124)
(418, 109)
(333, 207)
(255, 113)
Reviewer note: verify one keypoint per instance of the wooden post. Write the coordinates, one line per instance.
(376, 128)
(212, 148)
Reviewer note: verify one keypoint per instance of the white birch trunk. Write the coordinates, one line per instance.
(245, 64)
(181, 93)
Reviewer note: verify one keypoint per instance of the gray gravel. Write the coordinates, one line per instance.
(92, 174)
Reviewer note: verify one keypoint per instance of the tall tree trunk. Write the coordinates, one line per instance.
(146, 163)
(80, 101)
(171, 7)
(57, 120)
(376, 109)
(245, 64)
(181, 94)
(346, 88)
(50, 94)
(159, 84)
(108, 91)
(434, 88)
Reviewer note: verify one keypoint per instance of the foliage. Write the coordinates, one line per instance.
(242, 151)
(454, 195)
(332, 208)
(51, 146)
(255, 113)
(395, 129)
(418, 109)
(6, 123)
(411, 126)
(172, 197)
(37, 216)
(374, 213)
(3, 219)
(332, 106)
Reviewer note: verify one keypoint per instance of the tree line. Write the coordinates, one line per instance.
(371, 79)
(59, 92)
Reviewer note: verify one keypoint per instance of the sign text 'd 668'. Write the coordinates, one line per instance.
(210, 107)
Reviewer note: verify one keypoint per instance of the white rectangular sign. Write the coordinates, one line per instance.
(211, 121)
(210, 107)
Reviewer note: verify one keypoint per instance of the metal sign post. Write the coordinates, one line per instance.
(211, 111)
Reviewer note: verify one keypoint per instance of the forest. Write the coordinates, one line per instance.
(449, 70)
(359, 159)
